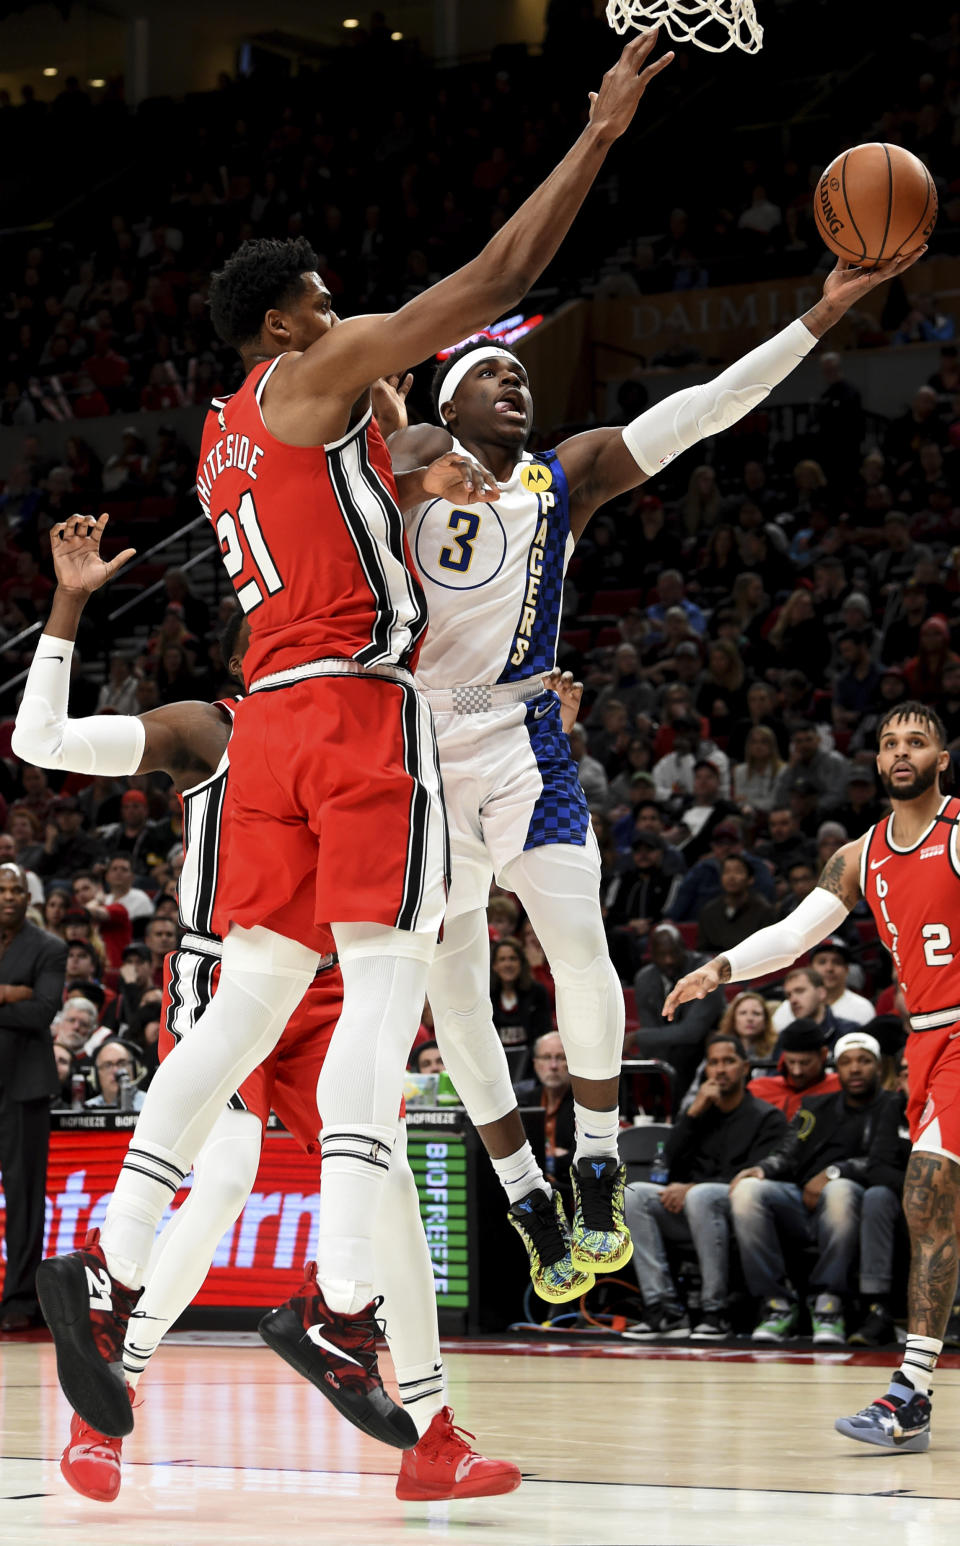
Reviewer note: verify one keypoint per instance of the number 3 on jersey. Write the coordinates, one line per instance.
(256, 554)
(470, 521)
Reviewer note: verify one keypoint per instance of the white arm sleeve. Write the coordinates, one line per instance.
(775, 948)
(679, 421)
(109, 744)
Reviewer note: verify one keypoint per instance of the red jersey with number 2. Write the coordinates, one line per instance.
(914, 895)
(311, 537)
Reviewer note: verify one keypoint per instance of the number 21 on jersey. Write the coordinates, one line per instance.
(253, 553)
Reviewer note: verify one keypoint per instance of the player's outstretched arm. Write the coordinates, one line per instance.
(775, 948)
(602, 463)
(112, 745)
(357, 351)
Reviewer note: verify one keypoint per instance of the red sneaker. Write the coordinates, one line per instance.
(444, 1466)
(91, 1461)
(87, 1312)
(338, 1354)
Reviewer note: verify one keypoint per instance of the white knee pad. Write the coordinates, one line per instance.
(379, 939)
(458, 989)
(590, 1017)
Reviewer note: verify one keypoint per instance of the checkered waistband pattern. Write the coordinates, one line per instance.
(481, 697)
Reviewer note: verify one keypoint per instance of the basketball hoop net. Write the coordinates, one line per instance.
(683, 20)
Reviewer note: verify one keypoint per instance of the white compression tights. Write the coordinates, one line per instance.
(403, 1274)
(224, 1173)
(459, 992)
(263, 977)
(557, 885)
(358, 1096)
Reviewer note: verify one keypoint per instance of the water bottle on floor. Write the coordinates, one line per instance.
(660, 1170)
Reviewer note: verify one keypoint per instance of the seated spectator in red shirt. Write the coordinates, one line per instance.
(28, 584)
(111, 918)
(88, 401)
(105, 366)
(803, 1062)
(160, 391)
(924, 673)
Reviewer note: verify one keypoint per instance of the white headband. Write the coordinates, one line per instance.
(457, 372)
(857, 1039)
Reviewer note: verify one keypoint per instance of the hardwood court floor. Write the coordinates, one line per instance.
(619, 1444)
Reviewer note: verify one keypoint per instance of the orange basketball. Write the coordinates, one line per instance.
(873, 202)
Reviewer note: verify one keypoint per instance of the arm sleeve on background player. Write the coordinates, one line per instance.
(678, 422)
(775, 948)
(108, 744)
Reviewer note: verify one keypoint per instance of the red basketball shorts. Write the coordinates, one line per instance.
(933, 1107)
(333, 800)
(286, 1081)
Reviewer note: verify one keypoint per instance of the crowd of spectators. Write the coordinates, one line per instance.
(392, 199)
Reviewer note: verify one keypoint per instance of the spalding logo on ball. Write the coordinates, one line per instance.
(875, 202)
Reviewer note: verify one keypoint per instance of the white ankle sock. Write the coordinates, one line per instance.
(919, 1360)
(519, 1173)
(421, 1391)
(596, 1133)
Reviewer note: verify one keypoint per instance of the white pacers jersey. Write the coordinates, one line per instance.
(493, 577)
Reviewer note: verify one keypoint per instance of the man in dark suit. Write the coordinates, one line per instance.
(32, 967)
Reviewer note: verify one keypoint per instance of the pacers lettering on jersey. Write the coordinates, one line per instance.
(237, 451)
(528, 614)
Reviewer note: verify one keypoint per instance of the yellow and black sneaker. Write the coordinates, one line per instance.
(600, 1240)
(542, 1225)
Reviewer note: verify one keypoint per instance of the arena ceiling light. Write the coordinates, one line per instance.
(350, 23)
(51, 69)
(396, 37)
(97, 82)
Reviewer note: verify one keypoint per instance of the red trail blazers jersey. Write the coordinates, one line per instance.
(312, 539)
(914, 895)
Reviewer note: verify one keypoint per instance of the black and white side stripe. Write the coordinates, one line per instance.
(369, 510)
(394, 522)
(191, 988)
(202, 813)
(419, 828)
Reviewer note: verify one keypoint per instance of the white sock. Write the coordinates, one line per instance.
(405, 1278)
(149, 1179)
(421, 1391)
(224, 1173)
(519, 1174)
(919, 1360)
(596, 1133)
(191, 1087)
